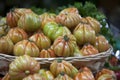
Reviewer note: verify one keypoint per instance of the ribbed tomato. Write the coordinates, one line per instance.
(70, 10)
(63, 76)
(6, 45)
(46, 74)
(17, 34)
(93, 23)
(101, 43)
(105, 74)
(70, 20)
(84, 74)
(42, 41)
(84, 34)
(29, 22)
(23, 66)
(14, 15)
(47, 17)
(4, 28)
(54, 30)
(26, 47)
(88, 50)
(64, 45)
(47, 53)
(59, 66)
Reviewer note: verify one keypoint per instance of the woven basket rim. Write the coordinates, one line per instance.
(90, 57)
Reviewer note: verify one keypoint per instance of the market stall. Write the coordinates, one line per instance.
(72, 42)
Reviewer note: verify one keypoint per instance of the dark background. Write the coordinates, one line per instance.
(111, 8)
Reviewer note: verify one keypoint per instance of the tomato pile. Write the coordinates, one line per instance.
(50, 35)
(25, 34)
(27, 68)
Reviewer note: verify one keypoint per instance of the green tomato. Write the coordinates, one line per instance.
(29, 22)
(54, 30)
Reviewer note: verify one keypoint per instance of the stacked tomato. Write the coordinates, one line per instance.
(27, 68)
(48, 35)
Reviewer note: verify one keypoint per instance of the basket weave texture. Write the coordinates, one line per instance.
(94, 62)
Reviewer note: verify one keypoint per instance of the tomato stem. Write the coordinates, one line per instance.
(62, 73)
(12, 10)
(66, 38)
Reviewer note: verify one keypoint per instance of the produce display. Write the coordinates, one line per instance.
(27, 68)
(30, 33)
(27, 35)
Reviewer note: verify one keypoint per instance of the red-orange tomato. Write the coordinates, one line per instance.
(101, 43)
(47, 53)
(70, 10)
(69, 20)
(64, 45)
(14, 15)
(105, 74)
(88, 50)
(84, 74)
(17, 34)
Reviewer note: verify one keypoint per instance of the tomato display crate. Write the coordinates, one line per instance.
(95, 62)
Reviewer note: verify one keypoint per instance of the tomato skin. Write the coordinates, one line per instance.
(46, 17)
(84, 74)
(70, 10)
(70, 20)
(101, 43)
(26, 47)
(23, 66)
(6, 45)
(14, 15)
(94, 24)
(4, 28)
(105, 74)
(69, 17)
(17, 34)
(29, 22)
(46, 74)
(54, 30)
(88, 50)
(59, 66)
(47, 53)
(63, 76)
(64, 45)
(35, 76)
(83, 33)
(42, 41)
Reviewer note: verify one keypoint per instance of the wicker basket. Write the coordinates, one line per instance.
(95, 62)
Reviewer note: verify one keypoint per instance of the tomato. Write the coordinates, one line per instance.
(54, 30)
(23, 66)
(26, 47)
